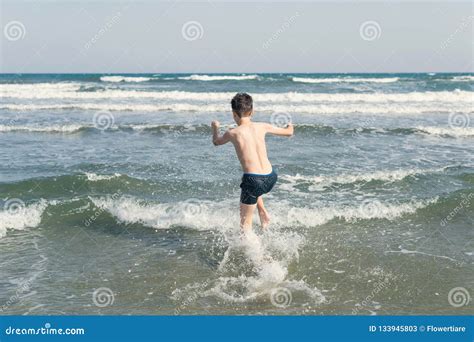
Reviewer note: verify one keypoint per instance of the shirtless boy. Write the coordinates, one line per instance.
(248, 139)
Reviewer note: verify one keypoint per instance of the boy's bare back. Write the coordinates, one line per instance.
(249, 142)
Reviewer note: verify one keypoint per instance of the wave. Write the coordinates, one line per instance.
(21, 217)
(345, 80)
(320, 182)
(46, 129)
(380, 109)
(219, 78)
(207, 215)
(452, 132)
(448, 131)
(75, 128)
(221, 216)
(94, 177)
(62, 91)
(313, 129)
(118, 79)
(465, 78)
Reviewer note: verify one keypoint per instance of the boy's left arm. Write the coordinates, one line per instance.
(216, 139)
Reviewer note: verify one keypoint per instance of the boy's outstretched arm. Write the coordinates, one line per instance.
(216, 139)
(286, 132)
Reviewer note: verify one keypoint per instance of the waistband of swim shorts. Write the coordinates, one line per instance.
(260, 174)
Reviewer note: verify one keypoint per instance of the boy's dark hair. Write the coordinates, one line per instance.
(242, 104)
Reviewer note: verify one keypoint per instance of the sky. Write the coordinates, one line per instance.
(41, 36)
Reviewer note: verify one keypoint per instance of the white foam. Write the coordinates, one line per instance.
(93, 177)
(321, 182)
(26, 217)
(464, 78)
(193, 213)
(223, 215)
(405, 251)
(366, 210)
(117, 79)
(345, 80)
(51, 129)
(262, 275)
(322, 109)
(448, 131)
(218, 78)
(71, 91)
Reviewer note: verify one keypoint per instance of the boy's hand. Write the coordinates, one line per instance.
(215, 124)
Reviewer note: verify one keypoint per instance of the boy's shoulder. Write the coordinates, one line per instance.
(262, 125)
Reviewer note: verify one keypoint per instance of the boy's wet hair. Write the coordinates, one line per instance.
(242, 104)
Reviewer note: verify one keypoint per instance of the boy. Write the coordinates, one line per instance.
(249, 142)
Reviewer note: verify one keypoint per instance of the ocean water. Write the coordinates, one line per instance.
(113, 199)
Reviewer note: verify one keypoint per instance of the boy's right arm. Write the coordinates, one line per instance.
(216, 139)
(286, 132)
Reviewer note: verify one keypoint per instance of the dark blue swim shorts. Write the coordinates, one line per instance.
(255, 185)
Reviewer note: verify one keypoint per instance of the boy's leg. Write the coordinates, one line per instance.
(246, 216)
(263, 213)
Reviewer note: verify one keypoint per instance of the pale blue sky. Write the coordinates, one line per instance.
(266, 36)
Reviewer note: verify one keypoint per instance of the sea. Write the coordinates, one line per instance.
(113, 199)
